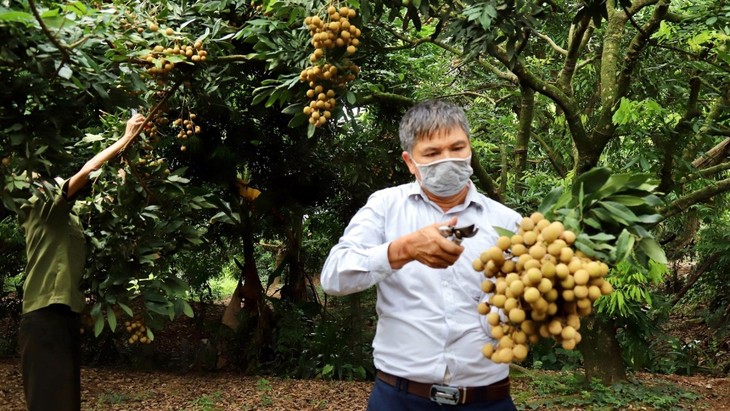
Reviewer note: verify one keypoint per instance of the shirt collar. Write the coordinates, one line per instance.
(414, 190)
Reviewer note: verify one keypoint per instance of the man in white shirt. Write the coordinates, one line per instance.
(427, 347)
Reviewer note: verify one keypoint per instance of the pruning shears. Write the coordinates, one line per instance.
(457, 234)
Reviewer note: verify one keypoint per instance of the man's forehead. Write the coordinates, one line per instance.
(450, 135)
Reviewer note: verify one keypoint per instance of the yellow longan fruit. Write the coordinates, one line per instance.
(516, 288)
(519, 337)
(531, 294)
(566, 254)
(580, 291)
(504, 243)
(519, 352)
(498, 300)
(506, 342)
(594, 293)
(534, 275)
(487, 286)
(497, 332)
(153, 27)
(517, 239)
(548, 269)
(493, 319)
(545, 285)
(517, 315)
(508, 266)
(531, 263)
(581, 277)
(518, 249)
(568, 344)
(555, 327)
(541, 225)
(536, 217)
(497, 255)
(487, 350)
(573, 321)
(510, 304)
(594, 269)
(483, 308)
(568, 236)
(562, 271)
(537, 251)
(527, 224)
(606, 288)
(477, 264)
(574, 265)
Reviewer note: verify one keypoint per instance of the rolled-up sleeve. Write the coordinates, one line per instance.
(360, 258)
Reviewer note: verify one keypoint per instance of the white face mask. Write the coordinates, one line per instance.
(444, 178)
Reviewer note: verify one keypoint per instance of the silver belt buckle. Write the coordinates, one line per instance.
(443, 394)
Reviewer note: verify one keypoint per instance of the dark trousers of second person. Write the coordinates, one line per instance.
(50, 351)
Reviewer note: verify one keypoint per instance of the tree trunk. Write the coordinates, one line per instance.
(527, 108)
(295, 286)
(601, 352)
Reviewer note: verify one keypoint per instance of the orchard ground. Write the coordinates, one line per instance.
(146, 387)
(124, 389)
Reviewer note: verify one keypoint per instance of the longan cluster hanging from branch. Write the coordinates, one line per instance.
(138, 332)
(334, 38)
(543, 286)
(163, 59)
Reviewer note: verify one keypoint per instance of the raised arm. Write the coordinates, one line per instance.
(81, 178)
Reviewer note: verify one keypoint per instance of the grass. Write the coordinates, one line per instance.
(208, 402)
(569, 390)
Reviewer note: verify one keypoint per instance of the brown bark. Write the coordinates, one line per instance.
(601, 352)
(485, 182)
(695, 197)
(527, 109)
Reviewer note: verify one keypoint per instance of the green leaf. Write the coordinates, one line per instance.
(652, 249)
(188, 310)
(619, 211)
(624, 245)
(551, 200)
(126, 309)
(592, 181)
(503, 231)
(350, 97)
(112, 319)
(98, 326)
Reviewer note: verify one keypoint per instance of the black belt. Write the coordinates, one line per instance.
(445, 394)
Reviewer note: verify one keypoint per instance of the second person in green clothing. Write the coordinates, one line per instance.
(56, 252)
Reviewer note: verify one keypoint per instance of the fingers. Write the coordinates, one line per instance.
(433, 249)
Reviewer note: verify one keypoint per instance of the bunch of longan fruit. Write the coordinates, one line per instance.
(542, 285)
(159, 57)
(188, 128)
(138, 332)
(332, 37)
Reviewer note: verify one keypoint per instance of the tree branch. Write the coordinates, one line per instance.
(575, 43)
(696, 197)
(552, 44)
(556, 163)
(486, 182)
(61, 47)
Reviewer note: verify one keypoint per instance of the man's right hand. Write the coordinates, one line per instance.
(426, 246)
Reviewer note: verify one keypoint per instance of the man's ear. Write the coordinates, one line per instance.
(410, 163)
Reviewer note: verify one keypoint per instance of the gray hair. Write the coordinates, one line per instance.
(427, 118)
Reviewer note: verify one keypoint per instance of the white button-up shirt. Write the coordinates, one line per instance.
(427, 318)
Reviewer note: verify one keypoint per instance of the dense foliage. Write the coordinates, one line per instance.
(229, 165)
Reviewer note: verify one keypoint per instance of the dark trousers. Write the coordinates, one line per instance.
(385, 397)
(50, 352)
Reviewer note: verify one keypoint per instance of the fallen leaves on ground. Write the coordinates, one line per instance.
(117, 389)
